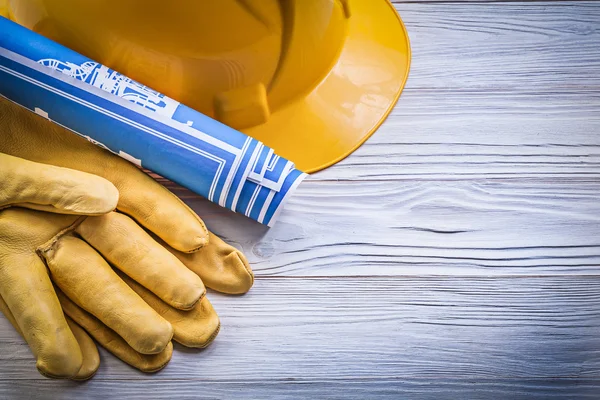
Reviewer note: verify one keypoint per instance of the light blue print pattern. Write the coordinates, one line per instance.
(113, 82)
(143, 125)
(118, 84)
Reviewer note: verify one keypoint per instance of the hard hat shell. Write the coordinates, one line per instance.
(313, 79)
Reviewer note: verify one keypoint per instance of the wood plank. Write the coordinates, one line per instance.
(487, 227)
(450, 135)
(410, 388)
(509, 45)
(428, 328)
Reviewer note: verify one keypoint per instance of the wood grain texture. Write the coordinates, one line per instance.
(311, 330)
(410, 388)
(486, 227)
(505, 45)
(455, 255)
(462, 134)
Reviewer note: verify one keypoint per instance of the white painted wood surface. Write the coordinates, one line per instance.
(455, 255)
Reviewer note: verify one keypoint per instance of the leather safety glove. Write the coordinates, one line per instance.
(161, 248)
(60, 190)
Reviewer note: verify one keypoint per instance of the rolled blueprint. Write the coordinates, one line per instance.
(144, 126)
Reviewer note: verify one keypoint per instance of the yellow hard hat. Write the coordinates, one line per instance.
(313, 79)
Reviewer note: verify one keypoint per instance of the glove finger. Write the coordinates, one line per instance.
(157, 209)
(220, 266)
(111, 341)
(89, 351)
(48, 188)
(27, 291)
(142, 198)
(197, 327)
(83, 275)
(132, 250)
(8, 314)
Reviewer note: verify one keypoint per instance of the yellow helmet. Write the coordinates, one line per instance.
(313, 79)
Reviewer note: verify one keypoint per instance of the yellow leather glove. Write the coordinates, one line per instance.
(76, 251)
(90, 357)
(60, 190)
(55, 189)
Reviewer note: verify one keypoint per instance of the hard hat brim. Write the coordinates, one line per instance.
(353, 100)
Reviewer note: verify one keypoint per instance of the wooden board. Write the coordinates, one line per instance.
(455, 255)
(384, 332)
(411, 388)
(412, 227)
(508, 45)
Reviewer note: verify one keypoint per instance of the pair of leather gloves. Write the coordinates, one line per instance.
(92, 246)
